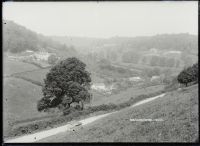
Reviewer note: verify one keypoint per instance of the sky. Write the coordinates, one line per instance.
(105, 19)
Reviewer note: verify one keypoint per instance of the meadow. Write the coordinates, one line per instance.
(25, 87)
(14, 66)
(123, 95)
(20, 100)
(178, 111)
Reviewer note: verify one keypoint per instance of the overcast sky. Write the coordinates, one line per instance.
(104, 19)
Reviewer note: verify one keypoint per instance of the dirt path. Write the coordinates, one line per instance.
(69, 126)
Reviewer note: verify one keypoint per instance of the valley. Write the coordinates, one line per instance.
(123, 71)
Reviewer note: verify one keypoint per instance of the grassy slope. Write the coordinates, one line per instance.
(123, 95)
(20, 99)
(37, 75)
(13, 66)
(178, 109)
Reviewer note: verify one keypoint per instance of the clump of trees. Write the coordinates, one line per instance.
(17, 38)
(163, 61)
(52, 59)
(188, 75)
(149, 72)
(131, 57)
(67, 83)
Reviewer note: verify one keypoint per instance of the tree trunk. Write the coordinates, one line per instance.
(82, 105)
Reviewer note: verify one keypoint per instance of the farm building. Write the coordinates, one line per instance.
(102, 87)
(155, 78)
(135, 79)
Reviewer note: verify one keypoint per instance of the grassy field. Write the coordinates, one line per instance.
(20, 100)
(42, 123)
(123, 95)
(38, 75)
(19, 90)
(13, 66)
(178, 110)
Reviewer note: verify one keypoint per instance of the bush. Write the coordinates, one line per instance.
(188, 75)
(52, 59)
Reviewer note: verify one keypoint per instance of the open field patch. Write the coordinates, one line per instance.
(13, 66)
(124, 95)
(20, 100)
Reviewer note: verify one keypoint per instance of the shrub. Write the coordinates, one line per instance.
(52, 59)
(188, 75)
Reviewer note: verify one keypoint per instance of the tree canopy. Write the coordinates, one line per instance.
(67, 82)
(17, 38)
(52, 59)
(188, 75)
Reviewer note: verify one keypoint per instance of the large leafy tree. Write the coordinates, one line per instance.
(67, 82)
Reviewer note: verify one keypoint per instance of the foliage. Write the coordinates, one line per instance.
(17, 38)
(52, 59)
(152, 72)
(104, 62)
(188, 75)
(67, 82)
(131, 57)
(163, 61)
(187, 60)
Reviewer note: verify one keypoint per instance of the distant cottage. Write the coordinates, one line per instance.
(102, 87)
(135, 79)
(155, 78)
(98, 86)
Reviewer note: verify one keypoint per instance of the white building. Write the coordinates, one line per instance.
(98, 86)
(135, 79)
(29, 51)
(102, 87)
(155, 78)
(42, 55)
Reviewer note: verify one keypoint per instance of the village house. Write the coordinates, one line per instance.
(135, 79)
(155, 78)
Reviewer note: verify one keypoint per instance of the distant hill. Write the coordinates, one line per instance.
(17, 38)
(181, 47)
(84, 44)
(179, 42)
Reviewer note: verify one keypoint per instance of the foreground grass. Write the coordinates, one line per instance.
(19, 100)
(74, 115)
(178, 109)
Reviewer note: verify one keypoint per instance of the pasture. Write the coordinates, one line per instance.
(123, 95)
(178, 111)
(14, 66)
(20, 100)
